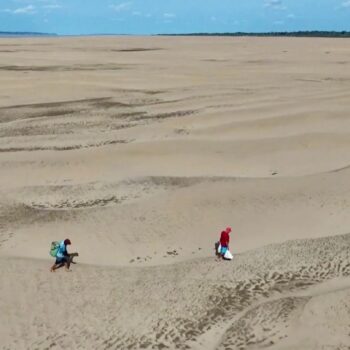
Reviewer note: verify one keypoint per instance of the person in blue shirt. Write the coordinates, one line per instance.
(62, 256)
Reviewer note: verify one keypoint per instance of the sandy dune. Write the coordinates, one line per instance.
(141, 150)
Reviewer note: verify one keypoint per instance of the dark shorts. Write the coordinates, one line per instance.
(61, 260)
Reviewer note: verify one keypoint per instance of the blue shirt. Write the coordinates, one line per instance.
(62, 250)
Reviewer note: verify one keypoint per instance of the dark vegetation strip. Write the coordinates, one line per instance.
(311, 34)
(27, 33)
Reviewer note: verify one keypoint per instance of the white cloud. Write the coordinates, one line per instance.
(31, 2)
(24, 1)
(345, 3)
(33, 7)
(278, 23)
(275, 4)
(169, 15)
(121, 7)
(291, 16)
(27, 10)
(52, 6)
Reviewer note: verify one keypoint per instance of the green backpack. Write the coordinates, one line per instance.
(54, 248)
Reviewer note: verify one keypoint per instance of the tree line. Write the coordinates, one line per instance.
(312, 34)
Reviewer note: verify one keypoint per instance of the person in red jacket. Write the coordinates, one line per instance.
(225, 240)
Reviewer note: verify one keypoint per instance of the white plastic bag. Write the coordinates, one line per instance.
(228, 255)
(219, 249)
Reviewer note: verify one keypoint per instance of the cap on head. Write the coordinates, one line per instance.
(67, 241)
(228, 229)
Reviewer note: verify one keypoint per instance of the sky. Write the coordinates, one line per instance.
(74, 17)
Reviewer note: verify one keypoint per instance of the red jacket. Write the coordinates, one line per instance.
(224, 239)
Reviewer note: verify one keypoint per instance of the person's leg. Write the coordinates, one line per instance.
(58, 263)
(223, 252)
(56, 266)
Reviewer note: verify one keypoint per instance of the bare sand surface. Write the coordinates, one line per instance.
(141, 150)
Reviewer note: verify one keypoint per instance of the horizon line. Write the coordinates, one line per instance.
(236, 33)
